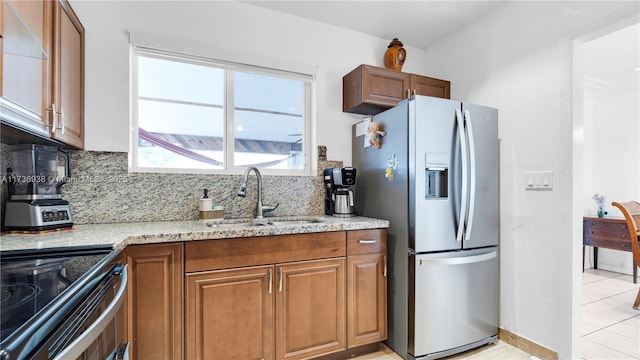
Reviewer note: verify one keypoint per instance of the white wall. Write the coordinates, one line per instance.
(519, 59)
(235, 28)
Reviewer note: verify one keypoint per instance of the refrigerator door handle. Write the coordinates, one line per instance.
(459, 260)
(465, 176)
(472, 175)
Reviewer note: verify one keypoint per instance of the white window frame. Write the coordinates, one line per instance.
(228, 144)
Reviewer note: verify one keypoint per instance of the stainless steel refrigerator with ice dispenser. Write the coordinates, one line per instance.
(436, 179)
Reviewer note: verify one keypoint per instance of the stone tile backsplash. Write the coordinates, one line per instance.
(103, 191)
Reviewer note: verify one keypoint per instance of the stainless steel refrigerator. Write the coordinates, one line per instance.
(436, 179)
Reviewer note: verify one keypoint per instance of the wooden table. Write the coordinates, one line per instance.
(608, 233)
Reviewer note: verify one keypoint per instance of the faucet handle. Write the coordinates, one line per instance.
(269, 208)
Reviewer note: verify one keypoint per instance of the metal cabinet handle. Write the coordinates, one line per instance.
(51, 122)
(50, 118)
(384, 271)
(61, 117)
(280, 282)
(270, 280)
(367, 241)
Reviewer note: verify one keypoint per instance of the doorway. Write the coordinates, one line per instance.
(606, 161)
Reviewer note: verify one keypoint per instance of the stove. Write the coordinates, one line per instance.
(38, 288)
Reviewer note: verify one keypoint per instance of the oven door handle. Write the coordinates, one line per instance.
(80, 344)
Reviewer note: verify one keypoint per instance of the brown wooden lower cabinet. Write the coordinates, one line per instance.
(154, 300)
(367, 294)
(310, 309)
(329, 299)
(366, 286)
(230, 314)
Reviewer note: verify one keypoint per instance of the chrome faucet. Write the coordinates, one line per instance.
(242, 191)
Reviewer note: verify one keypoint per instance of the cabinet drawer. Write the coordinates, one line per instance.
(615, 244)
(366, 241)
(228, 253)
(607, 233)
(606, 229)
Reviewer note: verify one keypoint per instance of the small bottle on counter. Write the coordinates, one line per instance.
(207, 210)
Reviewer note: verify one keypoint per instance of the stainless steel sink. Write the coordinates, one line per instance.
(263, 222)
(224, 225)
(294, 222)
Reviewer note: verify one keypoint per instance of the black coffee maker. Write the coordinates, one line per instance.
(338, 186)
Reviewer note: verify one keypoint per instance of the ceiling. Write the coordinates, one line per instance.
(415, 23)
(609, 59)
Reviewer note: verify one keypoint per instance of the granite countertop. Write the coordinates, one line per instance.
(119, 235)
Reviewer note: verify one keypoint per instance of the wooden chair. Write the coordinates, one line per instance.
(631, 212)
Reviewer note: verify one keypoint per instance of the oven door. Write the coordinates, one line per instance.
(94, 329)
(83, 322)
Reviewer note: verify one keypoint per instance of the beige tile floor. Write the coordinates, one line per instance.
(610, 326)
(500, 350)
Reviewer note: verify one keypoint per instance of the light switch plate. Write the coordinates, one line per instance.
(539, 180)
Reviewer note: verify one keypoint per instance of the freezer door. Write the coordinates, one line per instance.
(482, 221)
(454, 302)
(434, 174)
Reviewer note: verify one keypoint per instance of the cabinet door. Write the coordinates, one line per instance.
(154, 301)
(370, 90)
(24, 86)
(423, 85)
(383, 86)
(366, 299)
(310, 308)
(230, 314)
(68, 76)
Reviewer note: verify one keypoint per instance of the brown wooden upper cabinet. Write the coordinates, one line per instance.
(26, 31)
(369, 90)
(42, 68)
(68, 77)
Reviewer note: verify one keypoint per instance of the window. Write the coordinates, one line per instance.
(194, 114)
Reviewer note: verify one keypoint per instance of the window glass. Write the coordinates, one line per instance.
(269, 121)
(201, 114)
(180, 114)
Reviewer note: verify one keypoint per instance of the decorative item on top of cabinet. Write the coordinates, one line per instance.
(395, 55)
(369, 90)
